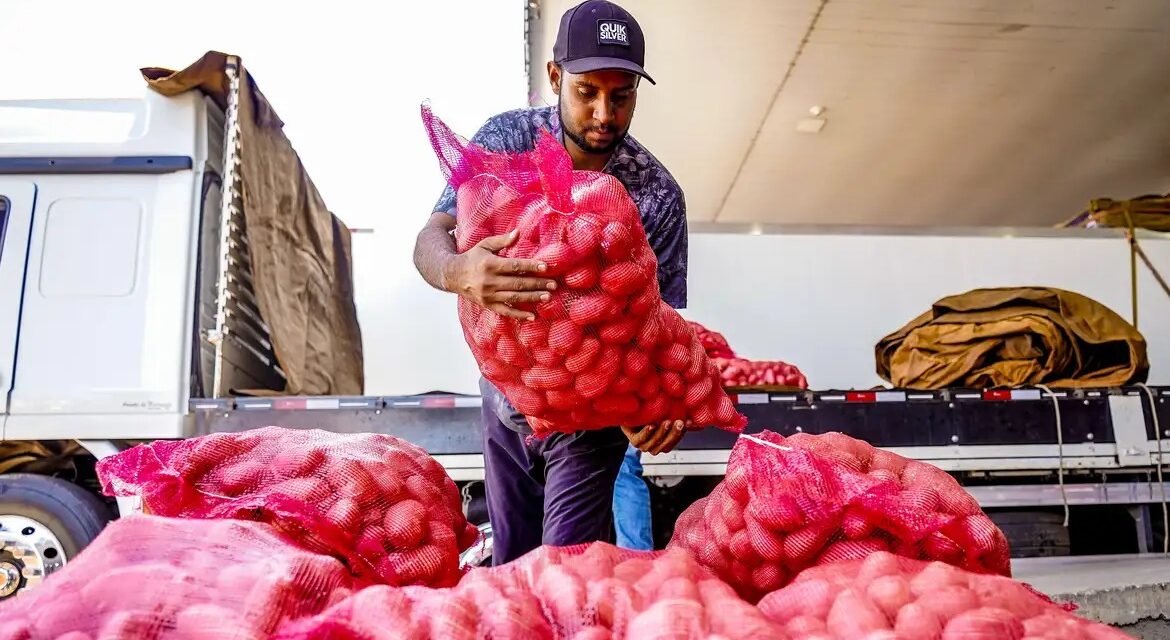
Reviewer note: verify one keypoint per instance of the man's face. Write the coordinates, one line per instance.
(596, 108)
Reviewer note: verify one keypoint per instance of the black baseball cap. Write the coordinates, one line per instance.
(597, 35)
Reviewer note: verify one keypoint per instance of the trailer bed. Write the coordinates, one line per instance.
(961, 430)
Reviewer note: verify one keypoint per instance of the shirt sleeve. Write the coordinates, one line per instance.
(491, 137)
(670, 244)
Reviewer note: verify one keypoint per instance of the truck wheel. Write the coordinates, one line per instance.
(44, 522)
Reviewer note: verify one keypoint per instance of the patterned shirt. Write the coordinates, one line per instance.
(655, 192)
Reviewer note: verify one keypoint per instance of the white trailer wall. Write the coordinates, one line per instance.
(823, 301)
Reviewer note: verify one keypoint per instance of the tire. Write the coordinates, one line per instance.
(1034, 534)
(73, 514)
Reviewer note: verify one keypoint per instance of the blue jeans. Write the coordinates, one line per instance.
(631, 505)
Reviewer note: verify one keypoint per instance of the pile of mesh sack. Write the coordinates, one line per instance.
(605, 350)
(743, 373)
(739, 373)
(787, 504)
(381, 505)
(808, 537)
(586, 592)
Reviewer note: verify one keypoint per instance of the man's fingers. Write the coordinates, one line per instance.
(496, 243)
(636, 435)
(672, 439)
(516, 266)
(514, 298)
(510, 283)
(509, 312)
(658, 434)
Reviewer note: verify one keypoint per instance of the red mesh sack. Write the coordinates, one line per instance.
(605, 350)
(713, 342)
(147, 578)
(888, 596)
(787, 504)
(586, 592)
(485, 604)
(379, 503)
(739, 372)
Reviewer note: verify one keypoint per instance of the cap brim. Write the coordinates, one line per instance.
(588, 65)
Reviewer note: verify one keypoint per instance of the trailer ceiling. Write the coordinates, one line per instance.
(937, 112)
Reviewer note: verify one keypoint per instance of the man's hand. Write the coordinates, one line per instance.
(495, 283)
(657, 438)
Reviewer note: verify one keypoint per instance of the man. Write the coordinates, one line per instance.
(559, 490)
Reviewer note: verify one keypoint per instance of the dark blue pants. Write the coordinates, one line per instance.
(556, 491)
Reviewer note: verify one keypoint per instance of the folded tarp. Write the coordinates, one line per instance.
(1010, 337)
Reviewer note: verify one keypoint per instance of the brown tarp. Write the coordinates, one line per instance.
(1010, 337)
(1147, 212)
(301, 256)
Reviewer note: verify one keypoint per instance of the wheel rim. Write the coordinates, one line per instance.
(481, 551)
(29, 551)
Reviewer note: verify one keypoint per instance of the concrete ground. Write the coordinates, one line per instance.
(1131, 592)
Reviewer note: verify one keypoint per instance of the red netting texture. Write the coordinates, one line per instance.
(890, 597)
(379, 503)
(587, 592)
(148, 578)
(605, 350)
(787, 504)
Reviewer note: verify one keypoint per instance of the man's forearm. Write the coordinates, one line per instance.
(433, 252)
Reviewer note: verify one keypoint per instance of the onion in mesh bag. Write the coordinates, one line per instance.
(379, 503)
(787, 504)
(585, 592)
(604, 346)
(148, 577)
(888, 596)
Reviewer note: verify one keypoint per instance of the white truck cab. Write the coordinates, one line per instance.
(100, 238)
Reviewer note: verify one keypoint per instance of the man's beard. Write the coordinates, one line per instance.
(579, 137)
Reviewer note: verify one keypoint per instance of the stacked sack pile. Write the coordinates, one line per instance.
(741, 373)
(809, 537)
